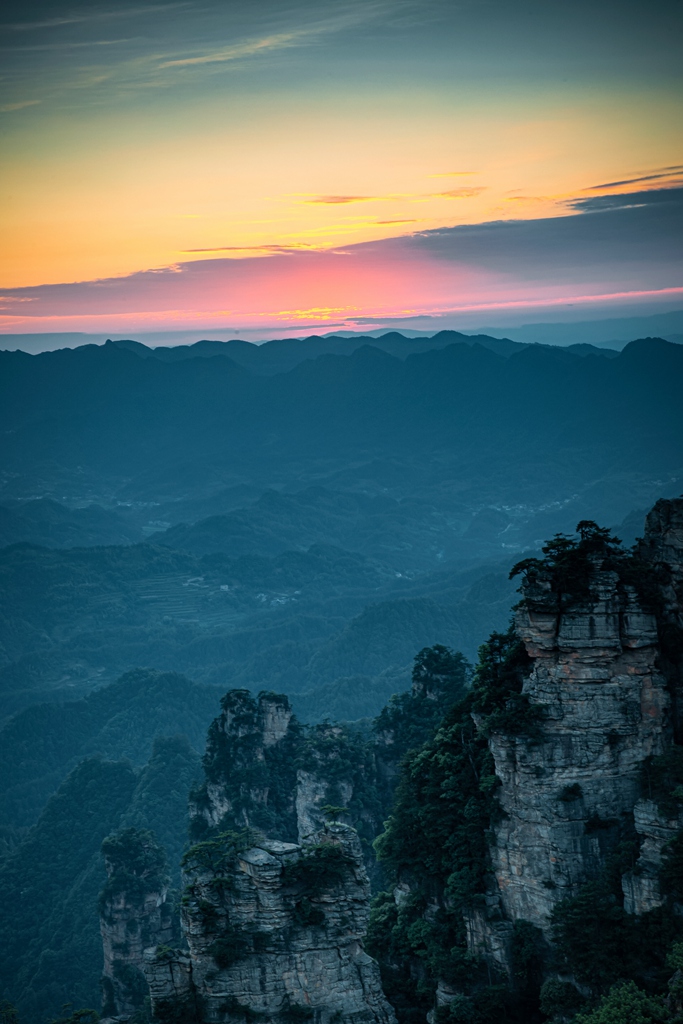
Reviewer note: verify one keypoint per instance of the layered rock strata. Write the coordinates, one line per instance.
(655, 830)
(568, 792)
(602, 697)
(662, 547)
(275, 931)
(134, 914)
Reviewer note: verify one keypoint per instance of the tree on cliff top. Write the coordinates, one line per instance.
(569, 565)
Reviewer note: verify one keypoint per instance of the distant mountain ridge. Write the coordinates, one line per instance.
(284, 354)
(458, 429)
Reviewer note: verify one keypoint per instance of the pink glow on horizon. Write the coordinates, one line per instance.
(350, 318)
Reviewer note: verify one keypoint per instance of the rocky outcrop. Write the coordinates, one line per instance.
(662, 545)
(641, 886)
(250, 767)
(134, 914)
(568, 792)
(662, 548)
(168, 973)
(600, 702)
(275, 930)
(264, 770)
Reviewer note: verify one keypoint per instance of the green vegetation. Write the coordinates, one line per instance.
(77, 1016)
(626, 1004)
(604, 948)
(135, 864)
(230, 946)
(319, 869)
(436, 841)
(53, 877)
(567, 567)
(497, 698)
(159, 802)
(568, 794)
(49, 934)
(231, 759)
(662, 780)
(439, 678)
(306, 915)
(73, 620)
(8, 1013)
(434, 848)
(594, 937)
(41, 744)
(218, 854)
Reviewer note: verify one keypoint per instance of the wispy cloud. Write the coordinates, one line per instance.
(665, 172)
(63, 45)
(341, 200)
(9, 107)
(353, 15)
(529, 199)
(238, 51)
(91, 16)
(267, 249)
(460, 193)
(318, 312)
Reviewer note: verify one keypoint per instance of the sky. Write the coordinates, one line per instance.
(264, 165)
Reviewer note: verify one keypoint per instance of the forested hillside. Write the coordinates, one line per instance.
(74, 620)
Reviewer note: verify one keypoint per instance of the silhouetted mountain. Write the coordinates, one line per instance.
(284, 354)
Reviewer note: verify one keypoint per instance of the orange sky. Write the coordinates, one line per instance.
(144, 140)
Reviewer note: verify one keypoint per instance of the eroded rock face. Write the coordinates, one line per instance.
(641, 887)
(134, 914)
(250, 769)
(663, 543)
(277, 931)
(662, 546)
(569, 793)
(264, 771)
(169, 976)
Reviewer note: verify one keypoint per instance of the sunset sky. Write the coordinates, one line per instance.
(264, 165)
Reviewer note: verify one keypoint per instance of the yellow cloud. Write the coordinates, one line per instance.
(266, 249)
(339, 200)
(459, 193)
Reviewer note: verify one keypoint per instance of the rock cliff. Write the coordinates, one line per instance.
(662, 548)
(134, 914)
(603, 702)
(274, 930)
(250, 767)
(550, 800)
(277, 896)
(568, 791)
(264, 770)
